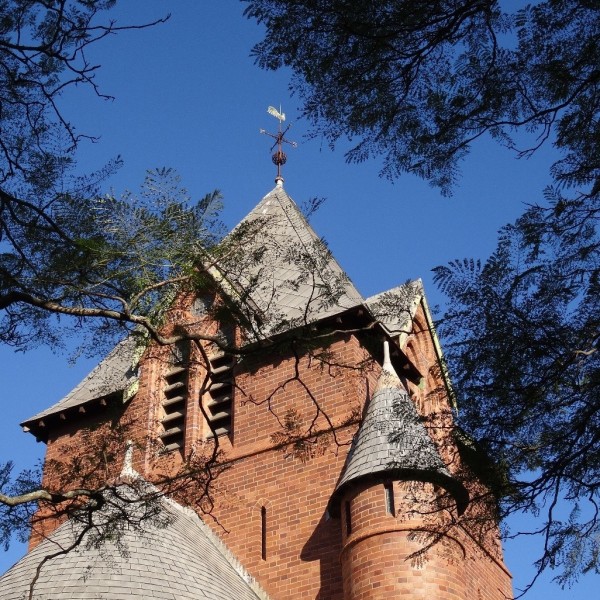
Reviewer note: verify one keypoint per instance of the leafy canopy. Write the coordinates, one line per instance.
(59, 247)
(524, 345)
(91, 255)
(418, 82)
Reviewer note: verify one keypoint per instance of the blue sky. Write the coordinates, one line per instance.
(188, 96)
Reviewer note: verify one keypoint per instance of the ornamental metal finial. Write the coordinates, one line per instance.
(279, 158)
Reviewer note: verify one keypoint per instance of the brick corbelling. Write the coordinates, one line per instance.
(388, 528)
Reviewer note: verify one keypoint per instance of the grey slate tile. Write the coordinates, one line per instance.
(287, 236)
(113, 374)
(203, 567)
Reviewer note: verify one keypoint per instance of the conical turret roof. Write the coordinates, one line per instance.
(392, 443)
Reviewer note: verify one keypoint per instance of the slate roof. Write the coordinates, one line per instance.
(392, 443)
(173, 556)
(396, 308)
(295, 280)
(116, 373)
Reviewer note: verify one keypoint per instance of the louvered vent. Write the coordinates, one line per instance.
(175, 399)
(220, 395)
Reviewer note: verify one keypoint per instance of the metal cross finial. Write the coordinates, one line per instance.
(279, 157)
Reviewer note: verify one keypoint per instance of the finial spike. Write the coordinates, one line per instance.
(389, 377)
(387, 363)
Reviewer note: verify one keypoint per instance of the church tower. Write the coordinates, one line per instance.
(333, 470)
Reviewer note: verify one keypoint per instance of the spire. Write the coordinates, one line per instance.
(279, 157)
(393, 443)
(388, 378)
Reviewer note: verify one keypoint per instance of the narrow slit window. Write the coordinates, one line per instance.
(263, 532)
(348, 518)
(389, 498)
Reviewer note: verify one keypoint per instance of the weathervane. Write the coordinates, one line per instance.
(279, 157)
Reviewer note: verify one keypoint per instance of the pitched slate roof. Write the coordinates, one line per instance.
(396, 308)
(171, 556)
(295, 279)
(116, 373)
(392, 443)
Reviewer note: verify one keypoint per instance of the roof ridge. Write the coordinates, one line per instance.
(220, 546)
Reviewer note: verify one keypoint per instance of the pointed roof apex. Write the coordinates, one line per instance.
(388, 378)
(297, 280)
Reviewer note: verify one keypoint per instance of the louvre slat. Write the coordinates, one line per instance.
(174, 386)
(223, 414)
(171, 401)
(173, 416)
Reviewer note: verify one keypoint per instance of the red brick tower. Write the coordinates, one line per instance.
(284, 418)
(391, 498)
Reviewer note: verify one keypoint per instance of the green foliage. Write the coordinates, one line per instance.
(416, 83)
(87, 255)
(15, 521)
(63, 249)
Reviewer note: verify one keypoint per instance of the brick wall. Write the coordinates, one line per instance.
(292, 482)
(416, 549)
(294, 416)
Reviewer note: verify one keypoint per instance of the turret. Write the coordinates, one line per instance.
(396, 499)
